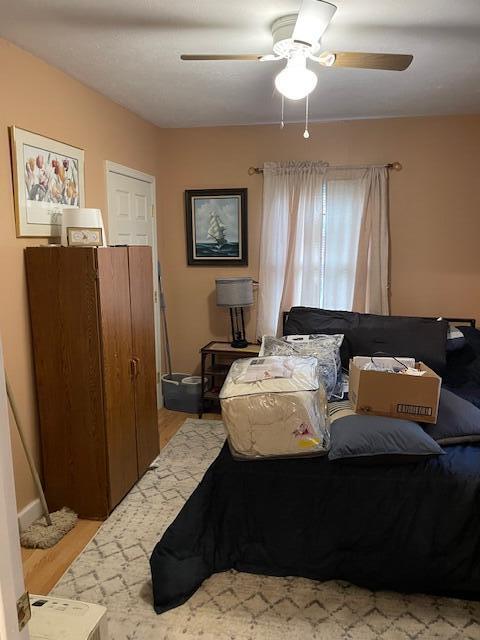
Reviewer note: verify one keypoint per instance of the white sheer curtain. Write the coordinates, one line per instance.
(324, 240)
(291, 240)
(372, 269)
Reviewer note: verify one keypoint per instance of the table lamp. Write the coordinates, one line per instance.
(235, 293)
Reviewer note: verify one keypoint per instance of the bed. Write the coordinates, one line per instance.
(408, 527)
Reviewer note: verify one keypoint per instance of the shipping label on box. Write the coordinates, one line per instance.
(395, 395)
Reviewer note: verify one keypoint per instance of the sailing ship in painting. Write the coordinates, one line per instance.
(219, 244)
(216, 230)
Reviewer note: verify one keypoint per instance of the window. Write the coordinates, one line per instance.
(314, 251)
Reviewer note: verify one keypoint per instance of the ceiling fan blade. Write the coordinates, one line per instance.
(246, 56)
(312, 21)
(386, 61)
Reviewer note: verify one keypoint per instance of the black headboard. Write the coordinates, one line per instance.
(455, 321)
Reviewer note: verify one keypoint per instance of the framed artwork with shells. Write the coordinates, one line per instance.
(48, 176)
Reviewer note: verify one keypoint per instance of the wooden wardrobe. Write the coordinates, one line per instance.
(93, 336)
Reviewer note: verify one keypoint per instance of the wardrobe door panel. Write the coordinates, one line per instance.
(114, 295)
(143, 343)
(66, 345)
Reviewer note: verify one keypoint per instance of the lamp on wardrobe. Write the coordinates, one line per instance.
(235, 293)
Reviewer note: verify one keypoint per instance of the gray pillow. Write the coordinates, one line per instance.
(325, 348)
(455, 339)
(458, 421)
(357, 438)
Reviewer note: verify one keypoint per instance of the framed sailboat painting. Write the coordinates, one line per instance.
(217, 227)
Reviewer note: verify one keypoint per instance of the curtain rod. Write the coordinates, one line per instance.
(396, 166)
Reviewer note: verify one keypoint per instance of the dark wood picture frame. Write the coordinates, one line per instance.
(223, 253)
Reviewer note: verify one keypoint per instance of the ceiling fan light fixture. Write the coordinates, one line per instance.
(296, 81)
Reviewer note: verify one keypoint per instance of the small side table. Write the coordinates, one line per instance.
(216, 360)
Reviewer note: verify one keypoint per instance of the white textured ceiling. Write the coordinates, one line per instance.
(129, 50)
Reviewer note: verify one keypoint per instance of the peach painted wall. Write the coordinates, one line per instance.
(435, 211)
(37, 97)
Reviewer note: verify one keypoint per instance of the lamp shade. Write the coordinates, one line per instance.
(234, 292)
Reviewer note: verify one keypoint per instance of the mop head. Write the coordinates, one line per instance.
(40, 535)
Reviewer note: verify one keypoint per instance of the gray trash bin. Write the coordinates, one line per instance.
(182, 392)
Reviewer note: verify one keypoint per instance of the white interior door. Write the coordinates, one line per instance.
(132, 220)
(11, 576)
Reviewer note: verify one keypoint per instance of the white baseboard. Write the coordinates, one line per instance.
(29, 514)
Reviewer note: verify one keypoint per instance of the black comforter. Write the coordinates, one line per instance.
(411, 527)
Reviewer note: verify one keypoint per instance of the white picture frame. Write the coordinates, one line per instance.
(48, 176)
(84, 236)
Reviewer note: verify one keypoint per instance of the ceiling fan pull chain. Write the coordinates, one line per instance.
(306, 135)
(282, 123)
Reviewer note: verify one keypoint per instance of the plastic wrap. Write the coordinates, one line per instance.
(275, 406)
(325, 348)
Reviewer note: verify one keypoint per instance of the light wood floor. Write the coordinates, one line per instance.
(43, 568)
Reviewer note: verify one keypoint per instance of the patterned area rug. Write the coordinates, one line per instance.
(113, 571)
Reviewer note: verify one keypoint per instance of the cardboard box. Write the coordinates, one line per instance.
(395, 395)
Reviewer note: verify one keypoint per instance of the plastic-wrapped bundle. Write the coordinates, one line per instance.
(326, 348)
(275, 406)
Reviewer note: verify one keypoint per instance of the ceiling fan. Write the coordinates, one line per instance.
(297, 38)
